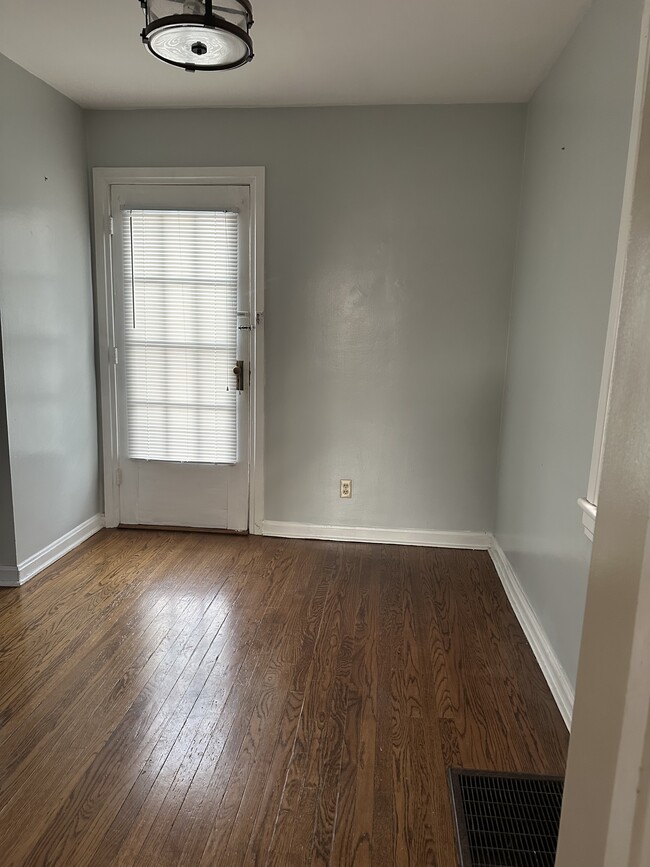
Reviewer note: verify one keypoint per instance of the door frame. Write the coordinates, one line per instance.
(103, 180)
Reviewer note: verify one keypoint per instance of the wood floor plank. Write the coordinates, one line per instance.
(484, 732)
(256, 755)
(413, 820)
(47, 638)
(295, 818)
(353, 842)
(162, 703)
(224, 779)
(262, 829)
(194, 700)
(383, 831)
(435, 742)
(506, 647)
(238, 658)
(98, 682)
(325, 783)
(168, 828)
(104, 649)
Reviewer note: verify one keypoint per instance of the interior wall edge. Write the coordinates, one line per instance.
(9, 576)
(7, 525)
(511, 303)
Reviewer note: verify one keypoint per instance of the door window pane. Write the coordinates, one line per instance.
(180, 316)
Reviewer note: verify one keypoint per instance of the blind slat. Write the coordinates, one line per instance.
(180, 314)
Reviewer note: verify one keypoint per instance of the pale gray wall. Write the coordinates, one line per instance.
(7, 529)
(46, 306)
(609, 743)
(576, 155)
(390, 240)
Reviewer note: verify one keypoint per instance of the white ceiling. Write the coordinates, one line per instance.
(307, 52)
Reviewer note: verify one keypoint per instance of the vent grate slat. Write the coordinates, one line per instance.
(506, 820)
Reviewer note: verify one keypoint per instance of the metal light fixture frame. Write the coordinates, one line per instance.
(209, 20)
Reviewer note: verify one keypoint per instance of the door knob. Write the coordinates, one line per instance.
(238, 370)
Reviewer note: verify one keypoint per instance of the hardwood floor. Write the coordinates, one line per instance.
(187, 699)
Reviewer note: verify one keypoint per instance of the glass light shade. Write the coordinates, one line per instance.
(197, 46)
(199, 34)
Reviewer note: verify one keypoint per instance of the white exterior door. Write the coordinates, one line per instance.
(182, 301)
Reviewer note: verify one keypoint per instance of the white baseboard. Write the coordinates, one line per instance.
(423, 538)
(552, 669)
(14, 576)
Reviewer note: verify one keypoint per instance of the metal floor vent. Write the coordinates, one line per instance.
(506, 820)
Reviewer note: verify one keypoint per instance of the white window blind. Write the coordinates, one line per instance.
(180, 324)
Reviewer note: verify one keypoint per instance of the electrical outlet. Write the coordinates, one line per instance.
(346, 489)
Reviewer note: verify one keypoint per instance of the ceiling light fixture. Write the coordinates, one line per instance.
(199, 34)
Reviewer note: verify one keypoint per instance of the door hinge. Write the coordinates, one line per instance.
(111, 226)
(115, 357)
(118, 476)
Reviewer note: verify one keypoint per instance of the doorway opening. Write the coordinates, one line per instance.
(180, 315)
